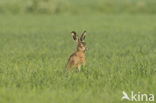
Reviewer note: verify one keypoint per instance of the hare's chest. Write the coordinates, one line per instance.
(81, 59)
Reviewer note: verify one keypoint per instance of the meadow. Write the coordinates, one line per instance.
(34, 50)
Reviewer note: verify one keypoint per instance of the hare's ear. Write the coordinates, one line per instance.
(83, 36)
(75, 37)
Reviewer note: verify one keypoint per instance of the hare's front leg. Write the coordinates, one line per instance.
(79, 68)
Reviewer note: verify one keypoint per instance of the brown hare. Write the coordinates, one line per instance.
(78, 58)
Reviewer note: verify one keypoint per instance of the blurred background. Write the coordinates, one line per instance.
(76, 6)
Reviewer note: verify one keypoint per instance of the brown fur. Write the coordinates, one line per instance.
(78, 58)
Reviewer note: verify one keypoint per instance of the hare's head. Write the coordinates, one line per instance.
(81, 45)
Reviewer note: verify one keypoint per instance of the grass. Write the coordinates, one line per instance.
(34, 51)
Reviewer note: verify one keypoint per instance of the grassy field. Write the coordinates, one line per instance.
(34, 51)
